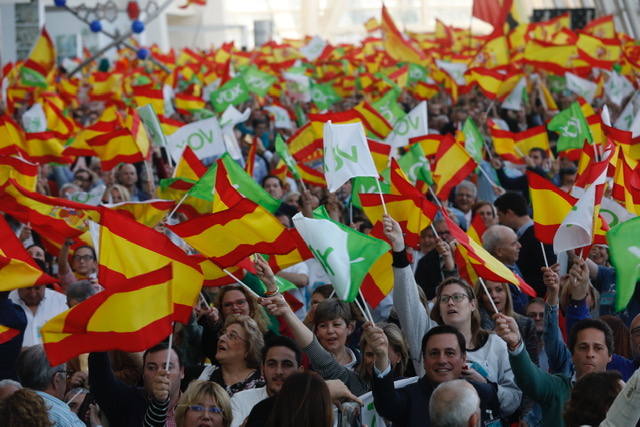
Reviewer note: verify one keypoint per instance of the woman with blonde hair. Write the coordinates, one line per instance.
(238, 356)
(204, 402)
(116, 193)
(501, 295)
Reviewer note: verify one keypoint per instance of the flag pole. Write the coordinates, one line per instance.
(175, 208)
(384, 206)
(486, 291)
(365, 311)
(166, 365)
(241, 283)
(544, 254)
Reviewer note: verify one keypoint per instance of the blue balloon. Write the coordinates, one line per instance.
(95, 26)
(137, 26)
(60, 3)
(143, 53)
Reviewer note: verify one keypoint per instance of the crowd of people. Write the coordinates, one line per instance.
(437, 351)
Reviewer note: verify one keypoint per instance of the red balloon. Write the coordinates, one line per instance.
(133, 10)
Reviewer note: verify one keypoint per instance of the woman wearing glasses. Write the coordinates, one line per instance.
(455, 305)
(204, 403)
(238, 356)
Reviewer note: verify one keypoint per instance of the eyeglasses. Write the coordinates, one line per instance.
(83, 257)
(200, 408)
(232, 335)
(456, 298)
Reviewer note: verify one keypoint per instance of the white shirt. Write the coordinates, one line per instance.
(243, 402)
(51, 305)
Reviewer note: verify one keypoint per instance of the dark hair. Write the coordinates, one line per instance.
(591, 397)
(621, 341)
(514, 201)
(93, 251)
(164, 345)
(445, 329)
(304, 400)
(536, 300)
(324, 290)
(331, 309)
(591, 324)
(281, 341)
(542, 152)
(33, 368)
(268, 177)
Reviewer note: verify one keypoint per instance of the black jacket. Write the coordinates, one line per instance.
(124, 405)
(12, 316)
(409, 406)
(531, 260)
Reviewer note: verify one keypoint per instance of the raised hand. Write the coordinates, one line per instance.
(507, 329)
(160, 386)
(264, 273)
(393, 232)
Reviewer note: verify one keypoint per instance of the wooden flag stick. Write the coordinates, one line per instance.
(240, 282)
(486, 291)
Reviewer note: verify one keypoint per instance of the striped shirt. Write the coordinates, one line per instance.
(59, 413)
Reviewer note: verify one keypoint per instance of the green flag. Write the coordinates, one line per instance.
(346, 255)
(473, 139)
(258, 81)
(417, 73)
(572, 127)
(246, 185)
(324, 95)
(366, 185)
(233, 92)
(388, 106)
(283, 152)
(415, 164)
(624, 251)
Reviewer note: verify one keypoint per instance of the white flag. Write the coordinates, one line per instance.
(232, 116)
(93, 197)
(625, 119)
(617, 87)
(34, 120)
(613, 212)
(582, 87)
(369, 416)
(455, 70)
(413, 124)
(204, 137)
(576, 231)
(635, 125)
(346, 154)
(514, 100)
(282, 119)
(313, 49)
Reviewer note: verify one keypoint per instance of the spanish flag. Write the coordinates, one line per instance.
(229, 236)
(144, 95)
(379, 280)
(513, 146)
(425, 91)
(477, 229)
(128, 145)
(11, 136)
(482, 262)
(395, 44)
(7, 333)
(131, 314)
(311, 176)
(40, 63)
(45, 147)
(187, 104)
(23, 172)
(189, 166)
(17, 268)
(453, 165)
(371, 25)
(429, 143)
(372, 120)
(494, 84)
(380, 153)
(149, 213)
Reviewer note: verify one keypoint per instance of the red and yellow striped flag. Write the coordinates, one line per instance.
(379, 153)
(23, 172)
(130, 315)
(189, 166)
(477, 229)
(395, 44)
(149, 212)
(429, 143)
(144, 95)
(40, 63)
(7, 333)
(187, 103)
(514, 146)
(372, 120)
(483, 263)
(453, 164)
(425, 91)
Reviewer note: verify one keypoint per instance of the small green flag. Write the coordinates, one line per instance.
(233, 92)
(388, 106)
(572, 127)
(417, 73)
(345, 255)
(30, 77)
(473, 139)
(258, 81)
(246, 185)
(324, 95)
(415, 164)
(366, 185)
(624, 251)
(283, 152)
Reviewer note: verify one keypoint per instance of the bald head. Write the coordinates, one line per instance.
(502, 242)
(454, 404)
